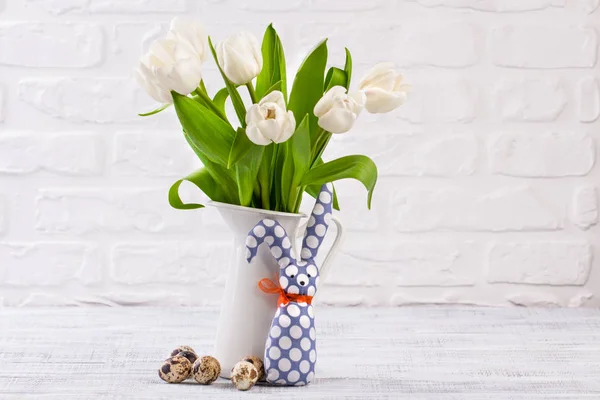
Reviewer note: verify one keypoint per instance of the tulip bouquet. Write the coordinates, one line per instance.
(270, 152)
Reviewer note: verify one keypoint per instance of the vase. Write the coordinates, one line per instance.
(247, 312)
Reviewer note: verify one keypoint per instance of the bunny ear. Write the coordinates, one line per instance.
(318, 223)
(274, 235)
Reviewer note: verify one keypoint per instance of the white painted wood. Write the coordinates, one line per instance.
(403, 353)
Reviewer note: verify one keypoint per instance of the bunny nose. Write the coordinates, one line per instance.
(302, 280)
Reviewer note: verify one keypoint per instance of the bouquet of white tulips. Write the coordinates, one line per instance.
(270, 152)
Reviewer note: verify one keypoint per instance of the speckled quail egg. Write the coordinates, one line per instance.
(179, 349)
(244, 375)
(192, 357)
(206, 370)
(258, 364)
(175, 369)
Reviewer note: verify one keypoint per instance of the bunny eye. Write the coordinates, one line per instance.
(309, 275)
(291, 271)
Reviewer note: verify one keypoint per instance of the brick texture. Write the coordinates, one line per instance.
(183, 263)
(488, 176)
(588, 99)
(151, 154)
(527, 46)
(115, 210)
(584, 209)
(64, 45)
(3, 209)
(494, 5)
(540, 263)
(530, 100)
(98, 100)
(73, 153)
(48, 264)
(542, 155)
(110, 6)
(511, 208)
(1, 105)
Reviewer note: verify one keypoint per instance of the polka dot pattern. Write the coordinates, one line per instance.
(259, 231)
(306, 253)
(251, 242)
(276, 331)
(318, 224)
(291, 356)
(284, 262)
(293, 310)
(293, 376)
(320, 230)
(290, 351)
(272, 233)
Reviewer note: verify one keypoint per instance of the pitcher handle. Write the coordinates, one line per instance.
(332, 251)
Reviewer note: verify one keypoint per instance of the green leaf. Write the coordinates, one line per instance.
(202, 87)
(199, 95)
(236, 99)
(276, 86)
(288, 192)
(274, 68)
(358, 167)
(297, 162)
(265, 176)
(300, 143)
(211, 135)
(164, 107)
(279, 195)
(315, 190)
(247, 173)
(226, 178)
(241, 146)
(335, 77)
(348, 68)
(220, 99)
(204, 181)
(308, 86)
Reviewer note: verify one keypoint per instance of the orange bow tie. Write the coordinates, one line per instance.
(268, 286)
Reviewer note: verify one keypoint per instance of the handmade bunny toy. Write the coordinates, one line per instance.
(290, 351)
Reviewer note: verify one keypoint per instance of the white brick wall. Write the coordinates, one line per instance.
(489, 184)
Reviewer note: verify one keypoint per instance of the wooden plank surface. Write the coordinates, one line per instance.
(402, 353)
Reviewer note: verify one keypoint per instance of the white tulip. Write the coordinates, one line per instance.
(192, 33)
(240, 57)
(268, 121)
(337, 110)
(169, 65)
(150, 82)
(384, 89)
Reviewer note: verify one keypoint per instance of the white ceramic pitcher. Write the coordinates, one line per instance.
(247, 312)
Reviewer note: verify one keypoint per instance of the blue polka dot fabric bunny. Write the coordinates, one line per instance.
(290, 351)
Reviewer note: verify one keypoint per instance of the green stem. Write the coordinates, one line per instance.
(208, 101)
(264, 177)
(251, 92)
(320, 146)
(264, 188)
(298, 201)
(203, 87)
(276, 178)
(256, 202)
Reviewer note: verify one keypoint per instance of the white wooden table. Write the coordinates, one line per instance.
(403, 353)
